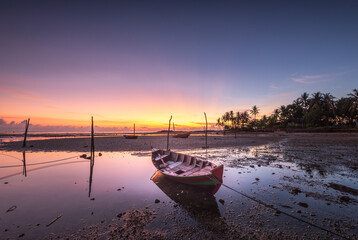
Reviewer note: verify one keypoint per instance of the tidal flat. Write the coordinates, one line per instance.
(48, 191)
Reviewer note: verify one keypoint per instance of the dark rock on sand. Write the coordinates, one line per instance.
(302, 204)
(222, 201)
(345, 199)
(295, 190)
(157, 201)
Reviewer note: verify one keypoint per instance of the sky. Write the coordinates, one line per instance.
(121, 62)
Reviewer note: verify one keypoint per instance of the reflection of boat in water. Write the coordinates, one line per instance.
(187, 169)
(198, 201)
(131, 136)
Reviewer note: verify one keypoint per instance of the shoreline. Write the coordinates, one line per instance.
(144, 143)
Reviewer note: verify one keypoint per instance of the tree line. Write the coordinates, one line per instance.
(315, 110)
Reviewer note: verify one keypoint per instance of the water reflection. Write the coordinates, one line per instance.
(198, 201)
(91, 175)
(24, 164)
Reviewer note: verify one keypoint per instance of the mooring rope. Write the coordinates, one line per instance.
(32, 164)
(11, 156)
(278, 210)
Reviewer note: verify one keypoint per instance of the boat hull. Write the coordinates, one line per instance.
(130, 137)
(211, 179)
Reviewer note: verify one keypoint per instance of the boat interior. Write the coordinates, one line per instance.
(178, 164)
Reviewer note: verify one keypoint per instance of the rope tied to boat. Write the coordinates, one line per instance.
(278, 210)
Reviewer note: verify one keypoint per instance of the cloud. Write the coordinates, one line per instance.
(310, 79)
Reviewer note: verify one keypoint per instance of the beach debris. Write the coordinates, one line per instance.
(92, 199)
(6, 182)
(157, 201)
(119, 215)
(119, 189)
(345, 199)
(302, 204)
(54, 220)
(21, 235)
(343, 188)
(12, 208)
(99, 154)
(83, 156)
(222, 201)
(257, 179)
(295, 190)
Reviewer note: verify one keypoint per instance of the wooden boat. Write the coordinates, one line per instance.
(187, 169)
(131, 136)
(181, 135)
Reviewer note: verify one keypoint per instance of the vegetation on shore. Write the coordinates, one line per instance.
(315, 111)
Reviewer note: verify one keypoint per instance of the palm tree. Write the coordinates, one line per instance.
(316, 100)
(354, 95)
(245, 117)
(238, 118)
(254, 111)
(304, 100)
(329, 102)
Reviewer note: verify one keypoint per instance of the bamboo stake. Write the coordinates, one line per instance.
(168, 133)
(134, 130)
(27, 127)
(206, 131)
(92, 139)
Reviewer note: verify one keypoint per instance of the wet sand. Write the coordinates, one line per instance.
(143, 143)
(312, 176)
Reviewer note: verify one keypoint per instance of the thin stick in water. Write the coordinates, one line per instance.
(54, 220)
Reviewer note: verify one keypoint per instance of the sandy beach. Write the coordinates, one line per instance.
(312, 176)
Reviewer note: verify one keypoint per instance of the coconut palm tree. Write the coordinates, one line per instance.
(304, 100)
(328, 100)
(254, 111)
(245, 117)
(316, 100)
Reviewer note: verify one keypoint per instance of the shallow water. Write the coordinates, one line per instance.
(47, 187)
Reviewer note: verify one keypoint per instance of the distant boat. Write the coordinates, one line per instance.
(131, 136)
(180, 135)
(187, 169)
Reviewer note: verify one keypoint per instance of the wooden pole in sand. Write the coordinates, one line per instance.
(168, 133)
(92, 139)
(206, 131)
(27, 127)
(134, 130)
